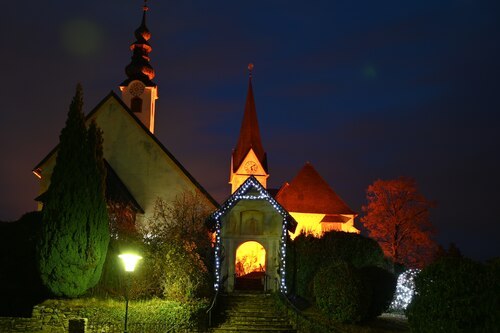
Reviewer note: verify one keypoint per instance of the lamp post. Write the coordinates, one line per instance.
(129, 262)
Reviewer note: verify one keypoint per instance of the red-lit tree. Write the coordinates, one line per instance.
(397, 217)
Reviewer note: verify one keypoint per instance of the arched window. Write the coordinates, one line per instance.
(136, 104)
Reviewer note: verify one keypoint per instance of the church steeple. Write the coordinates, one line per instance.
(139, 92)
(249, 157)
(140, 68)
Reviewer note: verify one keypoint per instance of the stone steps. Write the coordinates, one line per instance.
(250, 313)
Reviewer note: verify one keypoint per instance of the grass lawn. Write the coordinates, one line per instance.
(140, 312)
(386, 323)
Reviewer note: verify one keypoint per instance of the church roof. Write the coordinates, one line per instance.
(335, 218)
(147, 132)
(117, 191)
(308, 192)
(249, 133)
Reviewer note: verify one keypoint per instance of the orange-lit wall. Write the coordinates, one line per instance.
(237, 178)
(309, 223)
(149, 97)
(144, 168)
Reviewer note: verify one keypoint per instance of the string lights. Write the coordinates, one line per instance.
(405, 289)
(242, 193)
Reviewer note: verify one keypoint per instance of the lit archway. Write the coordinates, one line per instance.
(250, 257)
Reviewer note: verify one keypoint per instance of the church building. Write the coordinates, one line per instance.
(252, 226)
(140, 168)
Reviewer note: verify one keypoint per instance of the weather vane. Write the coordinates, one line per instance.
(250, 69)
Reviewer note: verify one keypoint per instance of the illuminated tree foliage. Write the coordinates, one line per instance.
(75, 232)
(397, 217)
(177, 250)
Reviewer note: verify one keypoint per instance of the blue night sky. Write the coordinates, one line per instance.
(361, 89)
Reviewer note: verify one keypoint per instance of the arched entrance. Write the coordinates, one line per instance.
(250, 266)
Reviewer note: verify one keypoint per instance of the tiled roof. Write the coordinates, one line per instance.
(117, 191)
(250, 187)
(308, 192)
(335, 218)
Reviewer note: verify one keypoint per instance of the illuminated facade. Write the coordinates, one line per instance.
(251, 214)
(309, 199)
(141, 166)
(252, 226)
(315, 205)
(248, 158)
(139, 92)
(248, 227)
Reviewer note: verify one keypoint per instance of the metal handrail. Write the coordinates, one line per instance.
(209, 311)
(289, 304)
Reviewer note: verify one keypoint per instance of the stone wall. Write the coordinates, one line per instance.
(44, 319)
(55, 316)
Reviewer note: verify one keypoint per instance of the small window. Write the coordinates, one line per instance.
(136, 104)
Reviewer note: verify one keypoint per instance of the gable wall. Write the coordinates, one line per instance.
(138, 160)
(239, 177)
(266, 230)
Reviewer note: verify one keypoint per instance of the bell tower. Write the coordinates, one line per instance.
(138, 91)
(248, 158)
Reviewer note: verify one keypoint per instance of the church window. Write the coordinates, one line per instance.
(136, 104)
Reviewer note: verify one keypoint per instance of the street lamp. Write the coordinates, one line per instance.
(129, 262)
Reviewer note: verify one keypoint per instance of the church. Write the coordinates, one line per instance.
(252, 226)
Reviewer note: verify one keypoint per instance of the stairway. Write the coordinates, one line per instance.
(251, 312)
(250, 281)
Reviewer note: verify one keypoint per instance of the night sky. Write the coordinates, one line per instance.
(361, 89)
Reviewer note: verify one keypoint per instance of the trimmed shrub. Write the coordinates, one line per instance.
(75, 226)
(20, 284)
(356, 249)
(460, 295)
(382, 285)
(310, 253)
(341, 293)
(307, 261)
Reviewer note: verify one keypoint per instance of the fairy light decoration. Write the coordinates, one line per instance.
(242, 194)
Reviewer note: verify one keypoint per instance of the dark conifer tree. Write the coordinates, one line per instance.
(75, 232)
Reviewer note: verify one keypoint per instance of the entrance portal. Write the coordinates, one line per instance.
(250, 266)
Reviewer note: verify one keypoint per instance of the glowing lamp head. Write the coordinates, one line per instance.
(129, 261)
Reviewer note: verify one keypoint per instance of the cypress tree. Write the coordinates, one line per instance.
(75, 232)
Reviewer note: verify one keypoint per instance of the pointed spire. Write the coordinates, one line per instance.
(140, 68)
(249, 132)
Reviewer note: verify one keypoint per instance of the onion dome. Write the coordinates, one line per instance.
(140, 68)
